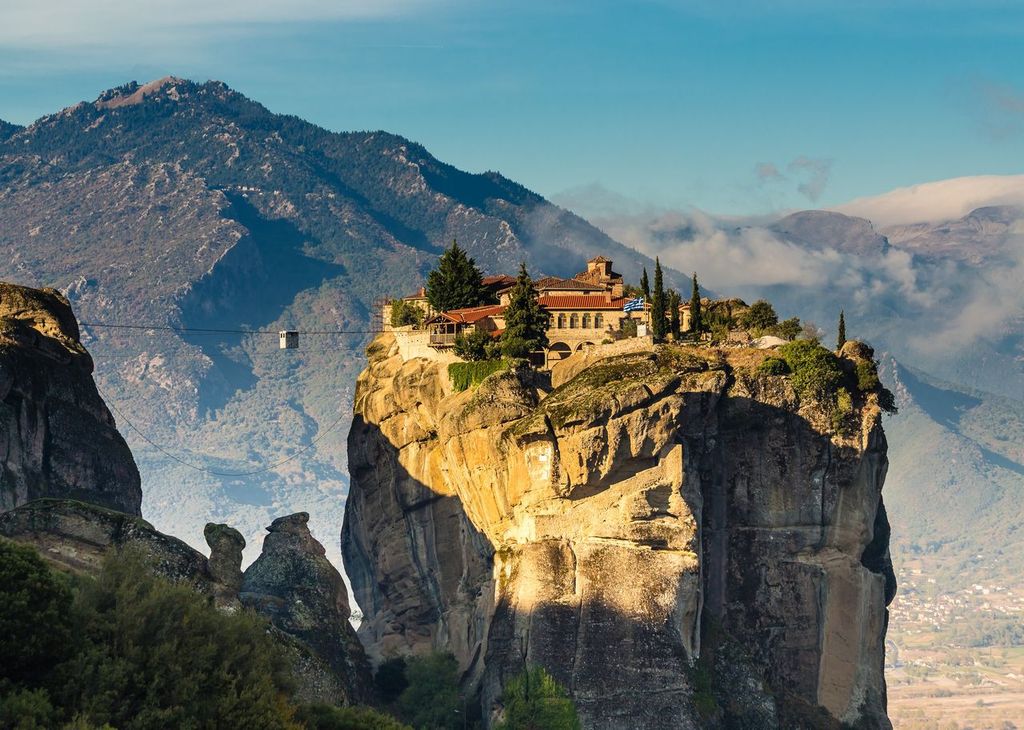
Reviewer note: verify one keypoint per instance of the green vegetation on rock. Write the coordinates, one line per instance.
(467, 374)
(477, 345)
(431, 700)
(131, 650)
(405, 313)
(816, 370)
(534, 700)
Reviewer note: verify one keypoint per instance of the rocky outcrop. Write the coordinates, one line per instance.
(57, 438)
(678, 539)
(79, 536)
(294, 585)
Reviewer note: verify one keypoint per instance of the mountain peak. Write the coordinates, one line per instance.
(134, 93)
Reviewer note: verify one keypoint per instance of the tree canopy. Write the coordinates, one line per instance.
(526, 321)
(456, 282)
(659, 305)
(760, 316)
(533, 700)
(696, 316)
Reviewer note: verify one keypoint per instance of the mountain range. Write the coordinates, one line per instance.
(175, 206)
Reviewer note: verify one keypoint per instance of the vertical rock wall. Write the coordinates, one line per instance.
(675, 539)
(57, 438)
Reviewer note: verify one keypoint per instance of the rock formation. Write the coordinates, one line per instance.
(57, 438)
(680, 540)
(294, 585)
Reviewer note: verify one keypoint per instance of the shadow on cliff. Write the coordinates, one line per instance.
(250, 287)
(771, 488)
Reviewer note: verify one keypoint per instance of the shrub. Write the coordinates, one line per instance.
(432, 698)
(760, 316)
(844, 407)
(390, 679)
(533, 699)
(816, 371)
(26, 709)
(157, 654)
(887, 401)
(473, 347)
(466, 374)
(787, 329)
(867, 376)
(405, 313)
(773, 366)
(35, 616)
(329, 717)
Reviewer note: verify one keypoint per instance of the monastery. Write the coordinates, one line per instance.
(585, 310)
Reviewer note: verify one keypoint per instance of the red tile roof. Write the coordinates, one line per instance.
(498, 280)
(553, 282)
(581, 301)
(469, 315)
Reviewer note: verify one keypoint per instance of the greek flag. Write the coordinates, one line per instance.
(634, 305)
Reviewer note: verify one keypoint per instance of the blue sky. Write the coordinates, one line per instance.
(741, 110)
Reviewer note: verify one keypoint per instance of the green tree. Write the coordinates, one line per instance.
(533, 700)
(431, 701)
(329, 717)
(156, 654)
(759, 317)
(659, 305)
(474, 346)
(787, 329)
(456, 282)
(696, 316)
(674, 325)
(405, 313)
(645, 286)
(35, 616)
(816, 370)
(841, 339)
(526, 322)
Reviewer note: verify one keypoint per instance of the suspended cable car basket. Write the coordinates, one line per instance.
(289, 339)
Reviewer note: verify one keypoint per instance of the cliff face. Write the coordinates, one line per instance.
(677, 540)
(57, 438)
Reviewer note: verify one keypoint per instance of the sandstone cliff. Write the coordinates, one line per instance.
(679, 540)
(57, 438)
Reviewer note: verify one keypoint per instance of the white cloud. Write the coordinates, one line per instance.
(937, 201)
(61, 24)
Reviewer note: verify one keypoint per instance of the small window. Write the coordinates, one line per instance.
(598, 321)
(561, 321)
(574, 321)
(586, 321)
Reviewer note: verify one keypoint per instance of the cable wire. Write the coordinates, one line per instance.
(206, 470)
(205, 330)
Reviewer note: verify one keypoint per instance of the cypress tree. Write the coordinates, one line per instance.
(674, 324)
(645, 286)
(526, 321)
(696, 318)
(841, 339)
(456, 282)
(659, 325)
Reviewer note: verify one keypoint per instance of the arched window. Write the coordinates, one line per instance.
(598, 321)
(574, 321)
(586, 321)
(561, 321)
